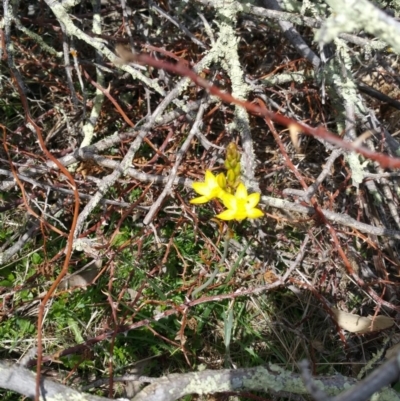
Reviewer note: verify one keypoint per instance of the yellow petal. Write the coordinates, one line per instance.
(255, 213)
(241, 214)
(199, 200)
(210, 177)
(253, 199)
(241, 191)
(229, 201)
(201, 188)
(226, 215)
(221, 193)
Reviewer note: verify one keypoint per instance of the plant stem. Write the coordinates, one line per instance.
(217, 268)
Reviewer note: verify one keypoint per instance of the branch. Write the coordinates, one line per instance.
(294, 37)
(351, 15)
(262, 378)
(277, 203)
(16, 378)
(298, 19)
(171, 387)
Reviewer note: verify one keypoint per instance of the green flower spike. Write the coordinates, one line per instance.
(212, 187)
(241, 205)
(232, 164)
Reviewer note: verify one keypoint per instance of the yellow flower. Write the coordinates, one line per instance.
(241, 205)
(212, 187)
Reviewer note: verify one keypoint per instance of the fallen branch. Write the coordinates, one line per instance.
(269, 378)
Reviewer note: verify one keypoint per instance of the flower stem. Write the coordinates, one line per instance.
(217, 268)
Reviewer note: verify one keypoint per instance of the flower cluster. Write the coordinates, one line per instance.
(229, 189)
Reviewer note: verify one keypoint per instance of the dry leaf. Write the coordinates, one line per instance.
(89, 167)
(318, 345)
(294, 131)
(125, 52)
(270, 277)
(381, 322)
(82, 278)
(360, 324)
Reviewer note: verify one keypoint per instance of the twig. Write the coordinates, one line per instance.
(312, 189)
(294, 37)
(179, 25)
(316, 393)
(338, 218)
(179, 157)
(124, 378)
(298, 259)
(170, 312)
(334, 217)
(378, 95)
(21, 380)
(18, 245)
(68, 67)
(376, 381)
(298, 20)
(37, 38)
(262, 378)
(43, 185)
(227, 47)
(351, 15)
(320, 132)
(127, 161)
(126, 23)
(320, 215)
(113, 140)
(98, 100)
(62, 16)
(122, 168)
(207, 28)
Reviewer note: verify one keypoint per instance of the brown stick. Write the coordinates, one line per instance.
(319, 132)
(64, 269)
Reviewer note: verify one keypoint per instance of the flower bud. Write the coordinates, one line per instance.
(231, 177)
(237, 170)
(232, 152)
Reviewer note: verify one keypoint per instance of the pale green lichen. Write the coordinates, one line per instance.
(72, 30)
(262, 379)
(352, 15)
(279, 380)
(386, 394)
(344, 94)
(276, 378)
(206, 385)
(88, 127)
(357, 171)
(227, 49)
(280, 79)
